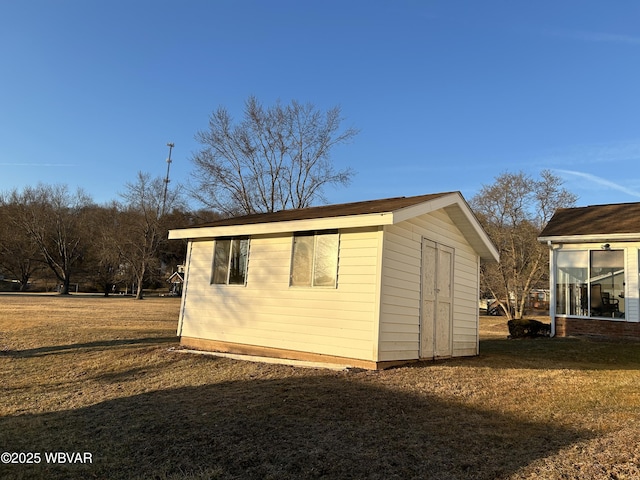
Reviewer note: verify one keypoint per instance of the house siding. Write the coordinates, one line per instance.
(567, 327)
(267, 312)
(401, 286)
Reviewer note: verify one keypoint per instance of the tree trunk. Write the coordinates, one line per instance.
(140, 280)
(65, 286)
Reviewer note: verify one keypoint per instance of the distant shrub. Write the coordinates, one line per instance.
(7, 286)
(525, 328)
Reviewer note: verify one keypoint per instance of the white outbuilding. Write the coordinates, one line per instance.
(368, 284)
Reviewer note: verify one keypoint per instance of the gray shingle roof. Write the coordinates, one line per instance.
(616, 218)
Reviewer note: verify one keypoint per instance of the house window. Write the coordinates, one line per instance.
(606, 283)
(590, 283)
(230, 258)
(314, 260)
(571, 276)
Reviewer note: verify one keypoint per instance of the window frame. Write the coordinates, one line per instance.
(583, 304)
(335, 260)
(229, 260)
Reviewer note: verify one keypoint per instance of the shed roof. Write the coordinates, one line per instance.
(326, 211)
(357, 214)
(594, 222)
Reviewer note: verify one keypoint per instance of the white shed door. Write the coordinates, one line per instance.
(436, 325)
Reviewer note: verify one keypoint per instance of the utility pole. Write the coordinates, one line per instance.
(166, 179)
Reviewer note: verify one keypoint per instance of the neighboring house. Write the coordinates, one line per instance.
(175, 283)
(367, 284)
(594, 270)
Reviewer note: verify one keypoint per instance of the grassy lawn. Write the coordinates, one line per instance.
(102, 376)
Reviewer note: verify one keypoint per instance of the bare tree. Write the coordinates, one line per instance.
(142, 224)
(513, 210)
(276, 158)
(19, 254)
(103, 262)
(54, 220)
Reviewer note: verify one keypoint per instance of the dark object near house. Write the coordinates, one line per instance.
(495, 309)
(524, 328)
(601, 302)
(538, 299)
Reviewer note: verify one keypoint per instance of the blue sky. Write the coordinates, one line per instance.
(446, 94)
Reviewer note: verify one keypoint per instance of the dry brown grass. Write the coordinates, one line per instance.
(102, 376)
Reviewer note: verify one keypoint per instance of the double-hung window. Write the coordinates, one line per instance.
(314, 260)
(230, 259)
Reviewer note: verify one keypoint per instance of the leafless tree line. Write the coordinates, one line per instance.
(274, 158)
(48, 229)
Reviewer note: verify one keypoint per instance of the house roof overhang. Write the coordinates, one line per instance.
(594, 223)
(593, 238)
(347, 221)
(352, 216)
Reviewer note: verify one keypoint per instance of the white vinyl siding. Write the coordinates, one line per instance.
(373, 313)
(267, 312)
(401, 294)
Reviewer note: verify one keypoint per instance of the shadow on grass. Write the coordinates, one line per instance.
(99, 344)
(575, 353)
(329, 426)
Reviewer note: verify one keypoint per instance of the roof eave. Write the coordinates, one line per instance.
(592, 238)
(462, 215)
(455, 205)
(476, 236)
(266, 228)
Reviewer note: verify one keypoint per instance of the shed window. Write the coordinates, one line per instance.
(230, 258)
(314, 261)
